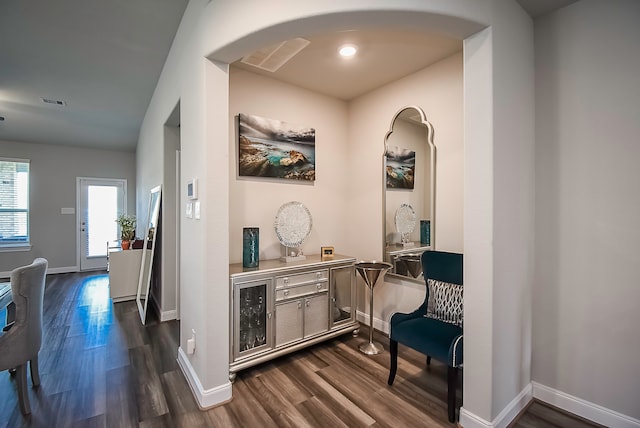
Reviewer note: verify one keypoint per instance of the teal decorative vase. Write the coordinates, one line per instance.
(250, 247)
(425, 232)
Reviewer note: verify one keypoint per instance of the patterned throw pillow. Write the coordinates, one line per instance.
(445, 302)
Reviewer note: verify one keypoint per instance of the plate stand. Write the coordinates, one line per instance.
(292, 254)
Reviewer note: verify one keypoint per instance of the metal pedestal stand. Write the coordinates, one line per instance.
(370, 273)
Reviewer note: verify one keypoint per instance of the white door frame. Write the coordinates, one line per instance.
(79, 181)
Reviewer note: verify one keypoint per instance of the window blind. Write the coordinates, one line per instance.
(14, 201)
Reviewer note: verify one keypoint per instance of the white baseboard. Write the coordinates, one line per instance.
(163, 315)
(583, 408)
(506, 416)
(378, 324)
(205, 398)
(168, 315)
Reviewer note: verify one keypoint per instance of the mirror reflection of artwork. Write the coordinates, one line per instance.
(401, 168)
(276, 149)
(408, 143)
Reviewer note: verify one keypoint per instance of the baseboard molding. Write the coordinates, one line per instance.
(168, 315)
(583, 408)
(205, 398)
(378, 324)
(506, 416)
(163, 315)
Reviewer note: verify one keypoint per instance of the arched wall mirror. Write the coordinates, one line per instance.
(408, 200)
(146, 267)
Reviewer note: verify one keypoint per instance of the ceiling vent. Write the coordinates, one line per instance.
(54, 102)
(274, 57)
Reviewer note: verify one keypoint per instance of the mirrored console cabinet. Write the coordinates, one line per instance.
(281, 307)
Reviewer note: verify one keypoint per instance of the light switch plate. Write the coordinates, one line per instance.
(196, 210)
(189, 210)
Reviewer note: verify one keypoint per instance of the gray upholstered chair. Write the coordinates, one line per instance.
(22, 339)
(435, 328)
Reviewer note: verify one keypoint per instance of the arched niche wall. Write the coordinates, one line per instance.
(467, 20)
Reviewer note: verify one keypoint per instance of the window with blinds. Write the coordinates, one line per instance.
(14, 202)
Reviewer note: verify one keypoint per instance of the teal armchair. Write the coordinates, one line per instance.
(439, 334)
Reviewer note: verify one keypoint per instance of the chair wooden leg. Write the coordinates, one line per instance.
(35, 373)
(393, 351)
(23, 393)
(452, 378)
(428, 359)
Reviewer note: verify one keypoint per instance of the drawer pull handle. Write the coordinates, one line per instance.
(286, 292)
(308, 303)
(319, 286)
(285, 280)
(299, 305)
(319, 275)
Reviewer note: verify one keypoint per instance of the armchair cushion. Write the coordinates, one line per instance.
(445, 301)
(442, 341)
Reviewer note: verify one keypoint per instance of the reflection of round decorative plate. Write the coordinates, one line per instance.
(405, 219)
(293, 224)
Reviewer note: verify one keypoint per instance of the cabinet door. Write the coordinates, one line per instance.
(289, 318)
(252, 317)
(342, 295)
(316, 314)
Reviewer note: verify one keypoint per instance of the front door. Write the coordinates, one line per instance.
(99, 204)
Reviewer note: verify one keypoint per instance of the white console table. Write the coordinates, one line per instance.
(124, 272)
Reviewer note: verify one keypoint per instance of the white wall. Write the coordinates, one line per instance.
(585, 313)
(224, 31)
(255, 201)
(438, 90)
(52, 186)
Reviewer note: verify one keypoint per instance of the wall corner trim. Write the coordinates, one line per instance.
(506, 416)
(583, 408)
(205, 398)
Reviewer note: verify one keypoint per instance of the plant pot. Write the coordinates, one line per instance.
(125, 244)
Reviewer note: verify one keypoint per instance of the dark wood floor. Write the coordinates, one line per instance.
(100, 367)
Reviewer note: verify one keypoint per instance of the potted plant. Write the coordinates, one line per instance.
(127, 225)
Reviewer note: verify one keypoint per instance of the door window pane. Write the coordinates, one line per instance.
(102, 211)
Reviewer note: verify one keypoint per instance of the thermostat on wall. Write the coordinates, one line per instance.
(192, 189)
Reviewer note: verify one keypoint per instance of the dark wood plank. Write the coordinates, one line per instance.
(100, 367)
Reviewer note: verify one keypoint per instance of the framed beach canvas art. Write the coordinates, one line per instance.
(275, 149)
(401, 168)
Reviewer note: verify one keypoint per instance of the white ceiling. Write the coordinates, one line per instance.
(103, 59)
(383, 56)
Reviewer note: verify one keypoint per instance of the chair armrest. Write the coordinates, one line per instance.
(401, 316)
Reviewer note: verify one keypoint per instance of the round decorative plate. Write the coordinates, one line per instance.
(405, 219)
(293, 224)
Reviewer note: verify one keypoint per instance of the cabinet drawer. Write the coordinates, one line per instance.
(302, 278)
(303, 290)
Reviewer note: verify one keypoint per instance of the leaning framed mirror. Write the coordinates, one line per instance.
(408, 196)
(148, 251)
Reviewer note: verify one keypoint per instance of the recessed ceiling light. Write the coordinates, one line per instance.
(348, 51)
